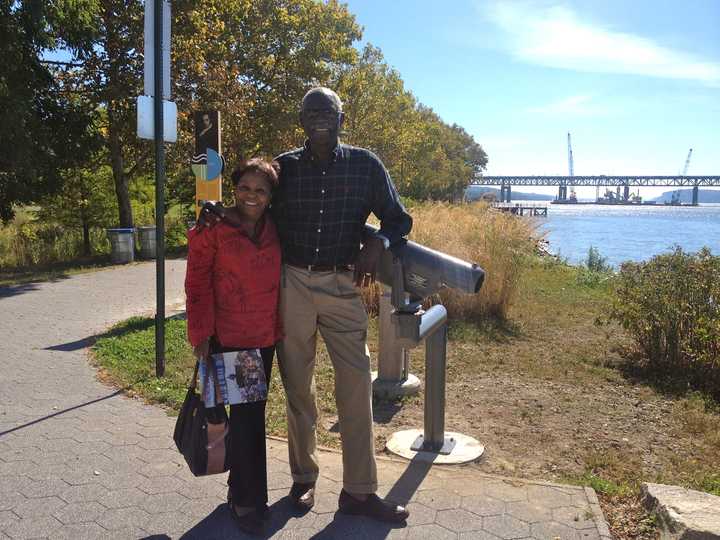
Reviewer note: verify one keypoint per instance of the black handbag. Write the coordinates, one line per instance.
(204, 445)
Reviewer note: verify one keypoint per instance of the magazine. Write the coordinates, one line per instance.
(241, 378)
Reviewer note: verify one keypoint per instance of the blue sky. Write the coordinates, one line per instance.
(636, 83)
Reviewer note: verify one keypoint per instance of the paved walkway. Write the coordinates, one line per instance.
(79, 460)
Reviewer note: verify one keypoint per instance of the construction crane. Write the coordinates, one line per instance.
(571, 169)
(687, 164)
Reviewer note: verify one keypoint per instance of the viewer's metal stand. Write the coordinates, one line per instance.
(392, 379)
(412, 325)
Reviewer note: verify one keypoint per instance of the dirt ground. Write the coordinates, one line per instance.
(543, 429)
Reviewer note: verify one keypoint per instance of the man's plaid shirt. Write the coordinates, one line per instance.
(321, 214)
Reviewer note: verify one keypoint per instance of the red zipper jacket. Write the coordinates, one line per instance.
(232, 286)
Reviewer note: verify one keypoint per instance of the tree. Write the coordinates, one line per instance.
(85, 200)
(379, 112)
(110, 74)
(426, 157)
(45, 125)
(251, 59)
(254, 60)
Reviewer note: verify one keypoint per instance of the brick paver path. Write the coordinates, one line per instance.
(79, 460)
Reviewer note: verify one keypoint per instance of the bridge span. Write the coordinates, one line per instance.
(626, 182)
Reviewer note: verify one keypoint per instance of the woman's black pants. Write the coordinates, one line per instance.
(248, 459)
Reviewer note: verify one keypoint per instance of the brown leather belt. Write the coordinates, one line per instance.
(324, 267)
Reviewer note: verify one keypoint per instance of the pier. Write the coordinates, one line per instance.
(521, 210)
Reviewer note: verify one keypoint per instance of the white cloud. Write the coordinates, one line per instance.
(576, 105)
(556, 37)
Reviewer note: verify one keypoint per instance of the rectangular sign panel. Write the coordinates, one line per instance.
(149, 48)
(207, 162)
(146, 119)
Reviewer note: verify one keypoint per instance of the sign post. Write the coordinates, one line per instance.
(157, 120)
(159, 188)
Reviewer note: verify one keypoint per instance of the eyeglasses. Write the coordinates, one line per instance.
(321, 112)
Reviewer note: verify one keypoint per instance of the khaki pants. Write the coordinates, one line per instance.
(329, 302)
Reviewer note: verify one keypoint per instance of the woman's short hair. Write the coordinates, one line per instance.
(269, 169)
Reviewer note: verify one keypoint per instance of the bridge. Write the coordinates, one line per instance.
(626, 182)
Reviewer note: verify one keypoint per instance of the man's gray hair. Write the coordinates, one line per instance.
(327, 92)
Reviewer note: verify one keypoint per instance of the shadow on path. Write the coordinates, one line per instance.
(73, 345)
(343, 526)
(15, 290)
(219, 523)
(409, 481)
(134, 324)
(47, 417)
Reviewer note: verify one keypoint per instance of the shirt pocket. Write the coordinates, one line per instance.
(357, 189)
(357, 195)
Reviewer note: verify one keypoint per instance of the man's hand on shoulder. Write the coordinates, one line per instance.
(367, 261)
(213, 212)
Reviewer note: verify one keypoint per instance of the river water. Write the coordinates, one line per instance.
(623, 233)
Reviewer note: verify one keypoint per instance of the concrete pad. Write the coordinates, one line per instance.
(465, 449)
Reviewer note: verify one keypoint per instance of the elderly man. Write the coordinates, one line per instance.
(327, 191)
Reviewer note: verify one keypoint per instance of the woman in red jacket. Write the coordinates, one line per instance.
(232, 289)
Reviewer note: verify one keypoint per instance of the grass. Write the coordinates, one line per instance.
(600, 485)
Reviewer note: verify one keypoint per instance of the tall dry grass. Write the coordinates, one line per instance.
(502, 244)
(28, 241)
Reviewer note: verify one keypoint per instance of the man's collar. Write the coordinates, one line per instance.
(336, 152)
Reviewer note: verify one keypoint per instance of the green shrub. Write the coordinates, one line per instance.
(596, 262)
(670, 305)
(592, 279)
(595, 272)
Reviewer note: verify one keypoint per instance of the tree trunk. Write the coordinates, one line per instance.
(86, 236)
(118, 169)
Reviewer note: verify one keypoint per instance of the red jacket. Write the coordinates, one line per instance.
(233, 286)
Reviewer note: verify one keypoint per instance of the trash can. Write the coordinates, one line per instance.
(122, 245)
(147, 242)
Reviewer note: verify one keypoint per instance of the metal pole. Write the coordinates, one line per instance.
(159, 196)
(435, 362)
(390, 354)
(393, 379)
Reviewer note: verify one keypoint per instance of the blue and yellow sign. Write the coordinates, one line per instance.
(207, 164)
